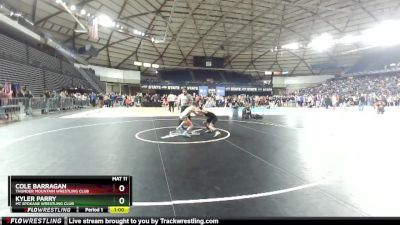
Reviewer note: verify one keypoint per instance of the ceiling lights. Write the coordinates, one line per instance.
(323, 42)
(386, 33)
(106, 21)
(292, 46)
(156, 41)
(137, 63)
(348, 39)
(136, 32)
(103, 20)
(276, 73)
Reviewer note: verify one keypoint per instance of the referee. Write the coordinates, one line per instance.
(184, 100)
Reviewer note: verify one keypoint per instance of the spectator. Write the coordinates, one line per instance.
(101, 100)
(361, 102)
(5, 94)
(20, 93)
(28, 95)
(121, 100)
(92, 98)
(128, 101)
(171, 101)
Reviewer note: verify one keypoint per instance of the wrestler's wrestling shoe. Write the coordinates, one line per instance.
(186, 134)
(217, 133)
(179, 130)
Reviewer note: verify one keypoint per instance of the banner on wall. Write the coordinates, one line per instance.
(221, 91)
(203, 90)
(114, 75)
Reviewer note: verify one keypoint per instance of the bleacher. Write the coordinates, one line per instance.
(38, 70)
(12, 49)
(23, 74)
(35, 79)
(56, 81)
(204, 75)
(53, 81)
(235, 77)
(69, 69)
(80, 83)
(176, 75)
(375, 60)
(43, 60)
(91, 73)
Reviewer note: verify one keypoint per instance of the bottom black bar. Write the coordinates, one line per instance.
(315, 221)
(33, 220)
(199, 221)
(213, 221)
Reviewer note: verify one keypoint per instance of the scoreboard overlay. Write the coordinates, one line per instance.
(69, 194)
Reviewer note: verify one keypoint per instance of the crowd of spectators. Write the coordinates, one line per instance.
(24, 92)
(356, 90)
(15, 91)
(117, 99)
(339, 92)
(12, 97)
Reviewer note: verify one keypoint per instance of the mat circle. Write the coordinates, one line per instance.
(137, 136)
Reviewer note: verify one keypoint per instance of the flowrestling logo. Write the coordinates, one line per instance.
(139, 221)
(33, 220)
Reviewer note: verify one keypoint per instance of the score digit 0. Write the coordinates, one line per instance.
(121, 188)
(121, 200)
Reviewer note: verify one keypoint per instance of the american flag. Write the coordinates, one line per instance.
(94, 30)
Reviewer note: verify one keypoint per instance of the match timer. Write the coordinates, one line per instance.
(70, 194)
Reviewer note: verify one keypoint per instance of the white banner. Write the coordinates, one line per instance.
(114, 75)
